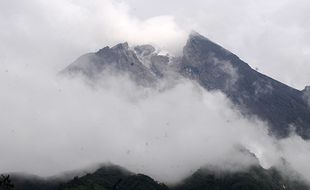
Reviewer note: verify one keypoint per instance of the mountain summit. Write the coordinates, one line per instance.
(119, 58)
(214, 68)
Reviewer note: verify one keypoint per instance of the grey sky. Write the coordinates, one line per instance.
(271, 35)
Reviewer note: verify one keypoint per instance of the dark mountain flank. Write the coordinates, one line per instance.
(215, 68)
(116, 178)
(255, 178)
(118, 59)
(284, 108)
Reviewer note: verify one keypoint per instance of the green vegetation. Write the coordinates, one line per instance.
(5, 182)
(116, 178)
(256, 178)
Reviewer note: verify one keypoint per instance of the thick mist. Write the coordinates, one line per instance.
(272, 36)
(51, 124)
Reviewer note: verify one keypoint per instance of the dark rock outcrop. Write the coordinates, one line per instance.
(284, 108)
(215, 68)
(119, 59)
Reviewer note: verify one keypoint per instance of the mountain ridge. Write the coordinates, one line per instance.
(113, 177)
(214, 68)
(217, 69)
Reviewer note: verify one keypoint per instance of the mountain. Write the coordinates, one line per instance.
(116, 178)
(255, 178)
(113, 177)
(306, 94)
(214, 68)
(120, 59)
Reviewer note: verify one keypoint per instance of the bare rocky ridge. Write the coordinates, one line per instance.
(215, 68)
(119, 59)
(284, 108)
(306, 94)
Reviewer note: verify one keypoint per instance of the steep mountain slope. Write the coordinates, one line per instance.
(104, 178)
(256, 178)
(306, 94)
(282, 107)
(118, 59)
(218, 69)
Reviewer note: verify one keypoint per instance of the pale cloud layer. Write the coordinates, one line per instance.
(270, 35)
(51, 125)
(60, 31)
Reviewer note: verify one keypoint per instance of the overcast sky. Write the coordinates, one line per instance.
(272, 35)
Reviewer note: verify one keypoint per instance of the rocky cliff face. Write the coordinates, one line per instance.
(214, 68)
(306, 94)
(119, 59)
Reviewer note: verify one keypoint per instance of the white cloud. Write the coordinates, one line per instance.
(269, 35)
(56, 125)
(60, 31)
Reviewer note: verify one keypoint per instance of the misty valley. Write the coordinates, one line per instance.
(255, 104)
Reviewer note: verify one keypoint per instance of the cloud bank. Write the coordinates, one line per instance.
(270, 35)
(60, 31)
(51, 125)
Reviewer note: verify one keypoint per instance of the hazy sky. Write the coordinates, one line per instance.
(55, 124)
(271, 35)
